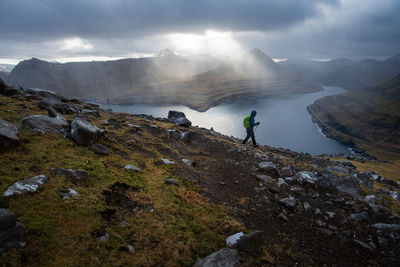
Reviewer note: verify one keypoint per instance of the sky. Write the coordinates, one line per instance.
(76, 30)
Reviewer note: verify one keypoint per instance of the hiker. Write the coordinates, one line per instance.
(249, 123)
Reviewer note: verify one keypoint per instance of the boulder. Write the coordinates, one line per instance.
(99, 149)
(387, 226)
(44, 93)
(225, 257)
(52, 112)
(84, 133)
(42, 123)
(7, 219)
(8, 135)
(76, 177)
(92, 112)
(306, 178)
(61, 107)
(267, 166)
(7, 90)
(29, 185)
(167, 161)
(178, 118)
(265, 179)
(171, 133)
(189, 162)
(67, 193)
(358, 217)
(364, 178)
(14, 237)
(232, 239)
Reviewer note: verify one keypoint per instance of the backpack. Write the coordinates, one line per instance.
(246, 122)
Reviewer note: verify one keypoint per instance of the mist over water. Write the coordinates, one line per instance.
(284, 120)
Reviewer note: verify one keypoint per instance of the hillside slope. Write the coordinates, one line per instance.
(369, 119)
(167, 79)
(310, 210)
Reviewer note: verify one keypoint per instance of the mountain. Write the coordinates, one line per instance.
(3, 75)
(369, 118)
(352, 75)
(167, 78)
(6, 67)
(91, 187)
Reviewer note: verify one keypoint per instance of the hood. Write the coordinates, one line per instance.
(253, 113)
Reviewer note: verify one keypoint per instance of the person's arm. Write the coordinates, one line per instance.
(252, 123)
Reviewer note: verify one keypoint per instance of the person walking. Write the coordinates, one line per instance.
(249, 124)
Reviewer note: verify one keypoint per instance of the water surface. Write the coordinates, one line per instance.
(284, 120)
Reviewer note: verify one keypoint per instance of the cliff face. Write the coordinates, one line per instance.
(352, 75)
(368, 118)
(165, 79)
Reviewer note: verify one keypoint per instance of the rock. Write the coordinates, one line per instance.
(283, 217)
(358, 217)
(377, 208)
(187, 137)
(330, 214)
(29, 185)
(77, 177)
(123, 224)
(383, 242)
(267, 166)
(285, 172)
(84, 133)
(387, 226)
(317, 211)
(265, 179)
(225, 257)
(250, 242)
(370, 198)
(319, 223)
(188, 162)
(171, 181)
(52, 112)
(313, 194)
(131, 248)
(306, 178)
(179, 118)
(364, 178)
(67, 193)
(9, 91)
(289, 202)
(42, 124)
(104, 238)
(324, 231)
(91, 112)
(8, 135)
(60, 107)
(173, 134)
(395, 195)
(281, 182)
(362, 245)
(167, 161)
(14, 237)
(44, 93)
(232, 239)
(129, 167)
(7, 219)
(306, 206)
(99, 149)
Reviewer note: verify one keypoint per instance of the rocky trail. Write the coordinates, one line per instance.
(86, 186)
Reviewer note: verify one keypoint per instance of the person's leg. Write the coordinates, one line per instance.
(253, 138)
(247, 138)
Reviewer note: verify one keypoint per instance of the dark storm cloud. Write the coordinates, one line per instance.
(42, 19)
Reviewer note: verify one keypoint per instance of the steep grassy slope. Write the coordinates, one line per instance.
(369, 119)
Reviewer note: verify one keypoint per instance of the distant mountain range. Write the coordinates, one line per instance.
(352, 75)
(167, 78)
(369, 119)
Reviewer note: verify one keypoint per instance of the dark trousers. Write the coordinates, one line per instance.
(250, 133)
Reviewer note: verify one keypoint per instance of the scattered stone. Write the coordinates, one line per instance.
(267, 166)
(186, 137)
(330, 214)
(232, 239)
(324, 231)
(370, 198)
(306, 206)
(261, 156)
(306, 178)
(8, 135)
(286, 172)
(7, 219)
(383, 242)
(364, 178)
(44, 93)
(13, 237)
(179, 118)
(314, 194)
(395, 195)
(171, 133)
(99, 149)
(317, 211)
(188, 162)
(319, 223)
(77, 177)
(84, 133)
(60, 107)
(42, 124)
(377, 208)
(362, 245)
(67, 193)
(52, 112)
(91, 112)
(387, 226)
(265, 179)
(171, 181)
(123, 224)
(104, 238)
(289, 202)
(29, 185)
(362, 216)
(283, 217)
(131, 248)
(281, 182)
(129, 167)
(167, 161)
(224, 257)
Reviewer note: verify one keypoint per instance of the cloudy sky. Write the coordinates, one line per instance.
(71, 30)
